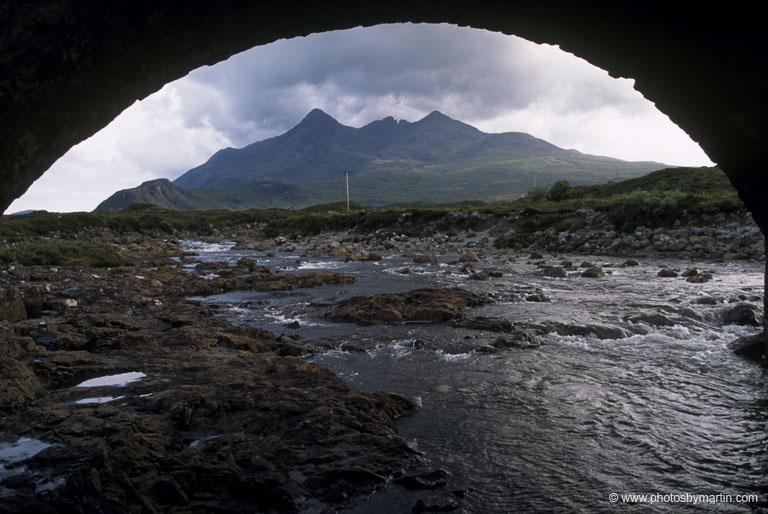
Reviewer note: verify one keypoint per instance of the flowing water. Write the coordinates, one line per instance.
(666, 410)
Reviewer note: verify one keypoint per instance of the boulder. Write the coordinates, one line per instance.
(593, 272)
(554, 271)
(667, 273)
(425, 259)
(742, 314)
(428, 305)
(699, 278)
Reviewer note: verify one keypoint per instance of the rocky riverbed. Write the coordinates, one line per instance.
(195, 414)
(217, 418)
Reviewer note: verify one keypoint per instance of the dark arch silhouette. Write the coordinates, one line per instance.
(67, 67)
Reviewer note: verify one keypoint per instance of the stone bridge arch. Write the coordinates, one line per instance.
(68, 67)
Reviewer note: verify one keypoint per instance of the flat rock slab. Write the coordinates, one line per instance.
(428, 305)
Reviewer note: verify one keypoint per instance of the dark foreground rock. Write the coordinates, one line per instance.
(215, 420)
(428, 305)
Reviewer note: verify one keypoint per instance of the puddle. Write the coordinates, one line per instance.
(118, 380)
(98, 399)
(22, 449)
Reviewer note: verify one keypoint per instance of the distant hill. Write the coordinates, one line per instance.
(161, 192)
(436, 158)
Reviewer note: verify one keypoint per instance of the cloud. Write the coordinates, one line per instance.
(495, 82)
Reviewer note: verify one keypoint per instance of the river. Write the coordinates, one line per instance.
(667, 410)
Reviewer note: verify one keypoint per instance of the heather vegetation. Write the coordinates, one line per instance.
(666, 198)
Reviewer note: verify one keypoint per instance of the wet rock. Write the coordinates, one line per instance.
(742, 314)
(422, 506)
(480, 276)
(468, 268)
(630, 262)
(699, 278)
(750, 347)
(666, 273)
(535, 256)
(362, 256)
(656, 320)
(425, 259)
(599, 331)
(517, 340)
(593, 272)
(706, 300)
(211, 266)
(469, 257)
(429, 480)
(429, 305)
(554, 271)
(287, 282)
(404, 271)
(486, 323)
(537, 297)
(495, 274)
(689, 272)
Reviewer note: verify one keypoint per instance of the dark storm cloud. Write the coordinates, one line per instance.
(360, 74)
(494, 82)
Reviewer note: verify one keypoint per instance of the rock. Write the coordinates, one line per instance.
(18, 386)
(11, 304)
(480, 276)
(422, 506)
(537, 297)
(586, 264)
(699, 278)
(630, 262)
(495, 274)
(749, 347)
(706, 300)
(469, 257)
(429, 480)
(742, 314)
(689, 272)
(554, 271)
(429, 305)
(593, 272)
(362, 255)
(425, 259)
(517, 340)
(666, 273)
(287, 281)
(656, 320)
(535, 256)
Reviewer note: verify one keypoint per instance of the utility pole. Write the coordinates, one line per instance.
(346, 174)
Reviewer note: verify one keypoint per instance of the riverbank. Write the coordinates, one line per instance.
(216, 418)
(204, 415)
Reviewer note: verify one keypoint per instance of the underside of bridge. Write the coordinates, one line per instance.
(68, 67)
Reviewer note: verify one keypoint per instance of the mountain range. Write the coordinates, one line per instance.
(391, 161)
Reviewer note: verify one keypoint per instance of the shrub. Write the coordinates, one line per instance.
(560, 190)
(537, 194)
(62, 253)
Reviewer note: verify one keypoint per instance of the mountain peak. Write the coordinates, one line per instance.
(318, 116)
(436, 115)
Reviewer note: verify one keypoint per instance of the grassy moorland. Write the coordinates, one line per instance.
(676, 196)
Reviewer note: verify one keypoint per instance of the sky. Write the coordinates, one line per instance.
(494, 82)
